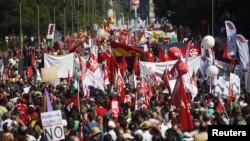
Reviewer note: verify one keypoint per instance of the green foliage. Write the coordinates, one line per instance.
(84, 13)
(191, 12)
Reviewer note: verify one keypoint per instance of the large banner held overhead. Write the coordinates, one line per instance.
(193, 65)
(64, 64)
(231, 40)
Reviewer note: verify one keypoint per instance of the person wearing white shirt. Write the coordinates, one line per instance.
(146, 127)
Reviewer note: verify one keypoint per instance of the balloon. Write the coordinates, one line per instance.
(212, 71)
(150, 69)
(174, 53)
(183, 68)
(208, 42)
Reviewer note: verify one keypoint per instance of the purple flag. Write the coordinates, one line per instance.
(48, 102)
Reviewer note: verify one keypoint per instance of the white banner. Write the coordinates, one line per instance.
(52, 125)
(235, 84)
(63, 64)
(231, 39)
(221, 88)
(193, 64)
(94, 79)
(243, 50)
(94, 76)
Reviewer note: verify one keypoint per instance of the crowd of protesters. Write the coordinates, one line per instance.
(156, 120)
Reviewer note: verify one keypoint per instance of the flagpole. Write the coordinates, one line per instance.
(77, 15)
(210, 86)
(38, 23)
(88, 17)
(104, 2)
(72, 17)
(212, 17)
(93, 16)
(64, 23)
(20, 26)
(54, 11)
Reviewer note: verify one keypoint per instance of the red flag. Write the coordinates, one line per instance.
(220, 107)
(161, 55)
(29, 72)
(83, 68)
(173, 72)
(113, 66)
(74, 100)
(114, 106)
(186, 123)
(56, 45)
(144, 87)
(120, 81)
(32, 55)
(69, 79)
(106, 75)
(124, 66)
(51, 29)
(165, 78)
(179, 99)
(176, 94)
(86, 92)
(136, 67)
(230, 97)
(207, 102)
(150, 57)
(92, 64)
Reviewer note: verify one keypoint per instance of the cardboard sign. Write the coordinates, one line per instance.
(52, 125)
(49, 74)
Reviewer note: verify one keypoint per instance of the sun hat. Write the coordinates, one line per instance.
(146, 125)
(94, 131)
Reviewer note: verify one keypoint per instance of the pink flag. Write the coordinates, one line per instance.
(83, 68)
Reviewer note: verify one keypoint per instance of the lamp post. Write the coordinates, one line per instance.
(72, 17)
(54, 11)
(64, 23)
(78, 15)
(20, 25)
(38, 23)
(212, 17)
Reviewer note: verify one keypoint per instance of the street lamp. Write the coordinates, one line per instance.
(212, 17)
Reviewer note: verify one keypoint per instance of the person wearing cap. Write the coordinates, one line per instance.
(146, 127)
(94, 134)
(111, 131)
(7, 133)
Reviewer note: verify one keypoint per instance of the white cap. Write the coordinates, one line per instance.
(111, 124)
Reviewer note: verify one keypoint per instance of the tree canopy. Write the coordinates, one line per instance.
(193, 13)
